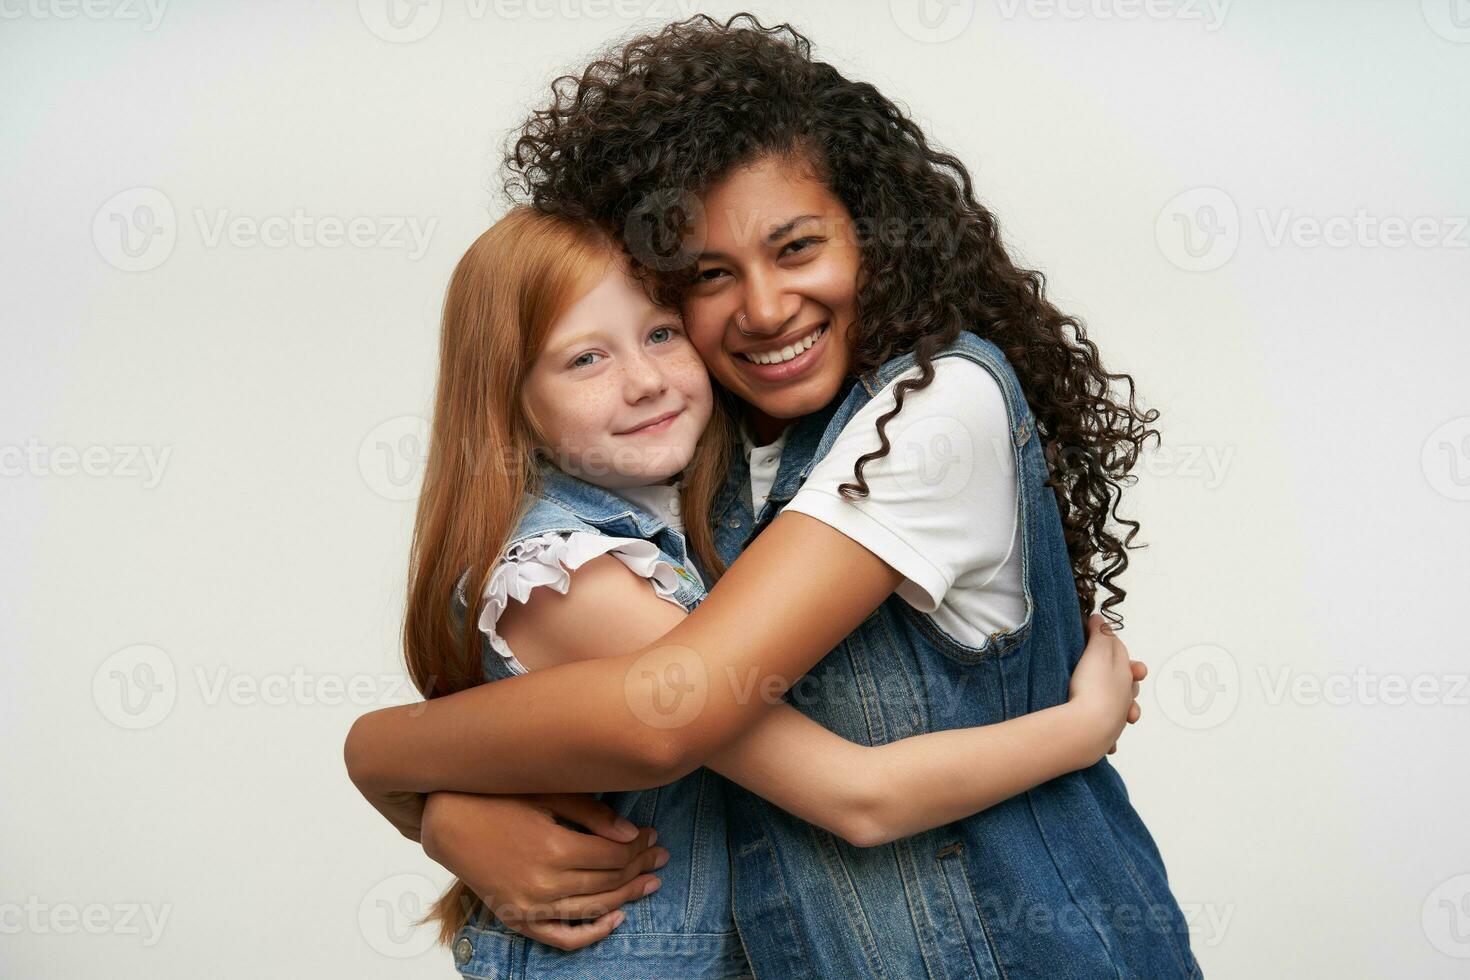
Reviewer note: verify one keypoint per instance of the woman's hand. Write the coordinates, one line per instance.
(535, 874)
(1105, 684)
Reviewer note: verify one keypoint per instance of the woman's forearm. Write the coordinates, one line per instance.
(528, 734)
(644, 718)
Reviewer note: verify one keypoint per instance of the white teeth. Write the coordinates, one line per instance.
(789, 351)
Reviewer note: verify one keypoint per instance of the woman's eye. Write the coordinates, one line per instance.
(668, 332)
(709, 275)
(578, 362)
(799, 245)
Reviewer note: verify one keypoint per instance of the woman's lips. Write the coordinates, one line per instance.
(788, 370)
(660, 426)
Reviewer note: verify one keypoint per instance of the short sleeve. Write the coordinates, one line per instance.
(549, 560)
(942, 504)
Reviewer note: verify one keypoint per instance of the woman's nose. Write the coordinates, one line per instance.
(768, 307)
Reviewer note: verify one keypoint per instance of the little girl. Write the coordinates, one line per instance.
(576, 439)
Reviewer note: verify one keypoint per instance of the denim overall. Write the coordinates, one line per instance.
(1063, 881)
(686, 929)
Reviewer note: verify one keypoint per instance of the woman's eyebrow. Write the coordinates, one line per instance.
(783, 230)
(772, 236)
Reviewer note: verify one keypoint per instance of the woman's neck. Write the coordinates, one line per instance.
(765, 429)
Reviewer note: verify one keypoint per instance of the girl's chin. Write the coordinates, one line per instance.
(653, 464)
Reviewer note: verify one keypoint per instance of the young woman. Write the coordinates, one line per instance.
(834, 244)
(604, 390)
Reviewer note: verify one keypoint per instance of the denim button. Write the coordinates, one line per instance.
(734, 522)
(463, 950)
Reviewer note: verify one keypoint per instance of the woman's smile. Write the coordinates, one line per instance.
(787, 362)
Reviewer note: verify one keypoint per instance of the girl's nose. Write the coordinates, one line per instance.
(644, 377)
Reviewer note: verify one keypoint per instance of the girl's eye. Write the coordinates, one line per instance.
(578, 362)
(709, 275)
(669, 331)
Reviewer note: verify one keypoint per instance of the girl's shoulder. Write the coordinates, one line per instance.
(547, 561)
(568, 524)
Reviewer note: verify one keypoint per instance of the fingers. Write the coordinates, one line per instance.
(596, 816)
(587, 906)
(588, 852)
(584, 882)
(569, 936)
(1140, 669)
(1134, 713)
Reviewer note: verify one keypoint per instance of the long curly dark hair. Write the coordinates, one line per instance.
(669, 115)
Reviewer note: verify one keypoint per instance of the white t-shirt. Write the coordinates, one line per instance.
(942, 506)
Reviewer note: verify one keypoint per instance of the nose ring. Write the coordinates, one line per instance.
(740, 325)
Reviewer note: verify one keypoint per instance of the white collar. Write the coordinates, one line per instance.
(659, 499)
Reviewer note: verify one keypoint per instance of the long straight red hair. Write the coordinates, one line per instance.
(481, 473)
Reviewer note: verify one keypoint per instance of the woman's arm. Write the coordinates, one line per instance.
(867, 795)
(644, 718)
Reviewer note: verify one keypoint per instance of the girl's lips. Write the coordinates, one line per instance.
(655, 427)
(788, 370)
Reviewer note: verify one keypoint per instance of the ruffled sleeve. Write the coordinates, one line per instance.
(549, 560)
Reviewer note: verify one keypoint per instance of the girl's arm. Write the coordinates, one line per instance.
(644, 718)
(867, 795)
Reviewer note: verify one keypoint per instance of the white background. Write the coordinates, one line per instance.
(185, 647)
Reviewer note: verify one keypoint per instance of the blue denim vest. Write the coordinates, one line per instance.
(1061, 881)
(686, 929)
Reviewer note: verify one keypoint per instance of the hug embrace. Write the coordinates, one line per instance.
(780, 506)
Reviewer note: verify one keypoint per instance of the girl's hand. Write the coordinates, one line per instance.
(534, 874)
(1105, 686)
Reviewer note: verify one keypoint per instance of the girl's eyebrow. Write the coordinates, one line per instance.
(571, 342)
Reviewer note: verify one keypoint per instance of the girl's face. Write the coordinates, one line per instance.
(779, 248)
(618, 392)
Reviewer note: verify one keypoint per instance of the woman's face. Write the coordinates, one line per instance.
(779, 248)
(618, 392)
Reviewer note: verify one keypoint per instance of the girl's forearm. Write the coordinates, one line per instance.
(873, 795)
(930, 780)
